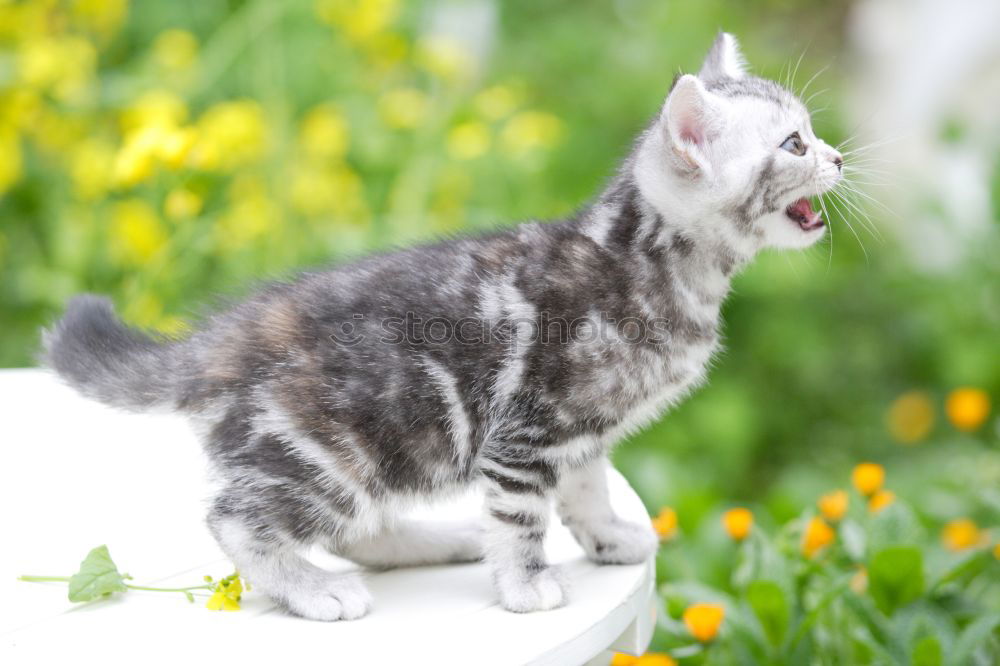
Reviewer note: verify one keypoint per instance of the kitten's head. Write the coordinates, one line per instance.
(743, 148)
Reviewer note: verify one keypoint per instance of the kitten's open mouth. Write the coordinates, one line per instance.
(802, 214)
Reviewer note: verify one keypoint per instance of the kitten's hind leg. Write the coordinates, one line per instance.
(417, 543)
(274, 568)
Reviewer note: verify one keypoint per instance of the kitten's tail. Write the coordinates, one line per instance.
(102, 358)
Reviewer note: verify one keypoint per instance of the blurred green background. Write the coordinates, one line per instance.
(166, 152)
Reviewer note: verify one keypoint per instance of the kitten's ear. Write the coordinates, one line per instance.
(691, 117)
(724, 60)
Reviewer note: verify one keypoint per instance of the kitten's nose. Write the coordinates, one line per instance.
(839, 161)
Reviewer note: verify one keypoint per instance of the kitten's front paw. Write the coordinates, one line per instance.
(342, 597)
(524, 592)
(618, 542)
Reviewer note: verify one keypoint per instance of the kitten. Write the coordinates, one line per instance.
(515, 360)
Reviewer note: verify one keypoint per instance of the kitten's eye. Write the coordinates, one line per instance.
(794, 145)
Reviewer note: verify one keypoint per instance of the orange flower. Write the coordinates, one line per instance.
(833, 505)
(967, 408)
(880, 500)
(868, 478)
(738, 523)
(911, 417)
(859, 581)
(817, 535)
(648, 659)
(961, 534)
(665, 524)
(703, 620)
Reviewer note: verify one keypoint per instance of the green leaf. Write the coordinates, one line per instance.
(896, 577)
(972, 637)
(927, 652)
(98, 577)
(771, 607)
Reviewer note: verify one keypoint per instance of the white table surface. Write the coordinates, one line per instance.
(75, 474)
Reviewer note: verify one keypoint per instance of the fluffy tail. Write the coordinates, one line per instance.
(102, 358)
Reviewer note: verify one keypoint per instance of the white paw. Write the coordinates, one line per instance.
(331, 598)
(618, 542)
(524, 592)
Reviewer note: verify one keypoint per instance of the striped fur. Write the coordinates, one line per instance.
(331, 402)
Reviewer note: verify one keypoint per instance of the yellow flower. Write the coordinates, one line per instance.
(324, 133)
(961, 534)
(156, 108)
(911, 417)
(665, 523)
(996, 551)
(530, 130)
(833, 505)
(468, 140)
(817, 535)
(102, 16)
(62, 66)
(175, 49)
(136, 160)
(136, 231)
(19, 107)
(182, 203)
(703, 620)
(175, 145)
(219, 601)
(386, 50)
(227, 594)
(880, 500)
(403, 108)
(444, 57)
(967, 408)
(10, 158)
(868, 477)
(655, 659)
(230, 134)
(152, 135)
(360, 20)
(496, 102)
(622, 659)
(738, 523)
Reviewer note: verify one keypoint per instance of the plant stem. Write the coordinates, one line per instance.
(44, 579)
(65, 579)
(169, 589)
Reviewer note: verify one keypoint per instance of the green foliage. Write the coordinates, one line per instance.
(879, 592)
(768, 602)
(896, 577)
(98, 577)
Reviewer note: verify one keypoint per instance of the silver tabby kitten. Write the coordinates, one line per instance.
(331, 402)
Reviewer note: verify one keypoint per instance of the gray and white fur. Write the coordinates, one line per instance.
(330, 403)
